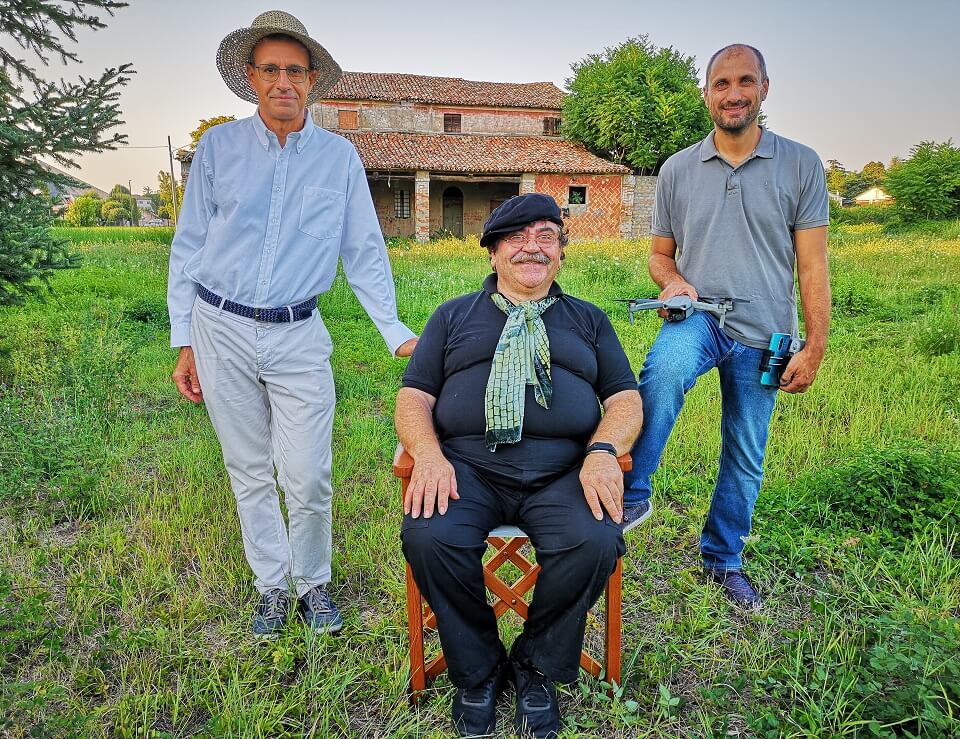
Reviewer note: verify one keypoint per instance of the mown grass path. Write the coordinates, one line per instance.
(125, 599)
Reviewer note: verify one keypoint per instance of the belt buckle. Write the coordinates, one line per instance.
(256, 314)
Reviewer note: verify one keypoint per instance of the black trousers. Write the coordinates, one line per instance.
(576, 552)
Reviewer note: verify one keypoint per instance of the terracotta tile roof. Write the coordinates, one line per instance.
(476, 153)
(445, 91)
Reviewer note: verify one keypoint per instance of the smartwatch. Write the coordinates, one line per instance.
(602, 446)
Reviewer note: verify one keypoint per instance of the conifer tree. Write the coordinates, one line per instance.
(41, 118)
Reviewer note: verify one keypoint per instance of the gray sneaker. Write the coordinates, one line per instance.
(635, 515)
(270, 615)
(319, 611)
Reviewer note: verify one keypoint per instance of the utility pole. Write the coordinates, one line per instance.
(133, 202)
(173, 181)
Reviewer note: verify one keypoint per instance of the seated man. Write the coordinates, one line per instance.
(499, 410)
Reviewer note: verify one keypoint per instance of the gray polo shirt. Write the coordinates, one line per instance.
(734, 227)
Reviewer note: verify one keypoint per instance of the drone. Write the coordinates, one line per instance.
(681, 307)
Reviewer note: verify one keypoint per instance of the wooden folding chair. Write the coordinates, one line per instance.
(506, 542)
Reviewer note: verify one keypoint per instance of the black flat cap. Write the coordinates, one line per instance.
(518, 212)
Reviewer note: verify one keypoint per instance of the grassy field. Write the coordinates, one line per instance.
(125, 599)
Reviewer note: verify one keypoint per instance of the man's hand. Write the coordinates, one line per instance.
(801, 371)
(432, 484)
(407, 347)
(602, 481)
(677, 287)
(185, 376)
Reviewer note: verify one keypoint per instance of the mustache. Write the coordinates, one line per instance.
(522, 258)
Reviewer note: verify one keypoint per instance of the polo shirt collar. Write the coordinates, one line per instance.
(764, 150)
(490, 286)
(300, 138)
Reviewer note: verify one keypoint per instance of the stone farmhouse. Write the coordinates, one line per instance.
(441, 153)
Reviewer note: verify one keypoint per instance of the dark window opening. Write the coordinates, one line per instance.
(551, 126)
(451, 123)
(577, 195)
(401, 203)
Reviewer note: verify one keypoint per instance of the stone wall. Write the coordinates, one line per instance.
(380, 116)
(479, 199)
(644, 189)
(384, 200)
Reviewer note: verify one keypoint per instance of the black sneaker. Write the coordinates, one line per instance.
(635, 515)
(538, 714)
(737, 588)
(475, 709)
(319, 612)
(270, 615)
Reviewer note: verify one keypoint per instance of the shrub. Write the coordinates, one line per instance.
(927, 185)
(881, 214)
(895, 491)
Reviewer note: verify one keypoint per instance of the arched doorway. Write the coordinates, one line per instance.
(453, 211)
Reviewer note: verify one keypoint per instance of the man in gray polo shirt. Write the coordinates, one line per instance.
(733, 214)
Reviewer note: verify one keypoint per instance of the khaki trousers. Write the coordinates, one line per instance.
(269, 391)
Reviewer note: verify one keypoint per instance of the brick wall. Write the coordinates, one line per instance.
(600, 217)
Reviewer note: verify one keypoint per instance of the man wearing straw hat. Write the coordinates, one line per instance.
(272, 204)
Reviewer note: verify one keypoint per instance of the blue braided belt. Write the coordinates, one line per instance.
(285, 314)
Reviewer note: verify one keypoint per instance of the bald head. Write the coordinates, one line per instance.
(741, 49)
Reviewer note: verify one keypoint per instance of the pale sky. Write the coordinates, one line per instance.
(856, 80)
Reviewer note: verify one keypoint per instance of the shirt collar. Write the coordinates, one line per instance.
(764, 150)
(490, 286)
(300, 138)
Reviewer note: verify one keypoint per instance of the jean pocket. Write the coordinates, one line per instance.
(321, 212)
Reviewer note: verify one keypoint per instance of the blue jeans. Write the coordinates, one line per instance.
(681, 353)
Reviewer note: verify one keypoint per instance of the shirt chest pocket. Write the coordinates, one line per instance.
(321, 213)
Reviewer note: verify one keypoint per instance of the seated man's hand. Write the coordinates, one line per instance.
(602, 482)
(432, 483)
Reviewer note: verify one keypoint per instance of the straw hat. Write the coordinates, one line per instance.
(235, 50)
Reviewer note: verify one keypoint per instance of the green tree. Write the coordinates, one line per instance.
(874, 173)
(635, 104)
(120, 208)
(836, 176)
(112, 213)
(84, 211)
(927, 185)
(165, 210)
(206, 123)
(39, 118)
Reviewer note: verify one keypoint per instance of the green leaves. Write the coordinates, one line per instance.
(927, 185)
(636, 104)
(39, 118)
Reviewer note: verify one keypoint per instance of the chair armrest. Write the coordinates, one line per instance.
(402, 463)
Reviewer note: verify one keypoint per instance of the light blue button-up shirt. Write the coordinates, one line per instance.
(265, 225)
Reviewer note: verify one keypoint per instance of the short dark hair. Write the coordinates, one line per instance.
(280, 37)
(761, 62)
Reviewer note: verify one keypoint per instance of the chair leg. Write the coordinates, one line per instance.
(614, 625)
(418, 677)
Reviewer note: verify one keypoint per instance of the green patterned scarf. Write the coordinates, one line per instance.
(522, 358)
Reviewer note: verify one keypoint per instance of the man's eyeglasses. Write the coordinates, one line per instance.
(544, 238)
(271, 72)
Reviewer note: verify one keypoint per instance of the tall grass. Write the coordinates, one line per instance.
(125, 599)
